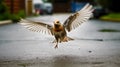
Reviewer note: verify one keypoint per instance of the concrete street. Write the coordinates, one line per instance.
(20, 47)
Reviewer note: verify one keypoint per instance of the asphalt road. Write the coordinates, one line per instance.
(20, 47)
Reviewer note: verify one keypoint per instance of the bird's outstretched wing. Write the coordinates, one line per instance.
(79, 17)
(37, 26)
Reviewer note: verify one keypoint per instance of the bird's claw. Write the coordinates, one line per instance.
(56, 46)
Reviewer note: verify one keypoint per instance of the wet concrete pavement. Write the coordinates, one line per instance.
(20, 47)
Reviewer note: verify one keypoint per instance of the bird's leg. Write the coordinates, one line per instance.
(57, 40)
(60, 41)
(56, 46)
(54, 41)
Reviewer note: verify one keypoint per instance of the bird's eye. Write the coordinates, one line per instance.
(57, 21)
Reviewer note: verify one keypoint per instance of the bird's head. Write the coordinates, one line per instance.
(57, 23)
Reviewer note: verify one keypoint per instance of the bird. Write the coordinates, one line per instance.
(59, 30)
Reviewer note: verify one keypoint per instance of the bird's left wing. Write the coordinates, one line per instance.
(79, 17)
(37, 26)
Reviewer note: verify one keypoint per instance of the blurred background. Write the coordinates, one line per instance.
(13, 9)
(96, 44)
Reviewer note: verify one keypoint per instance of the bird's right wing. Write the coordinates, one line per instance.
(37, 26)
(76, 19)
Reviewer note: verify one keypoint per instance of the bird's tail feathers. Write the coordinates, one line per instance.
(69, 38)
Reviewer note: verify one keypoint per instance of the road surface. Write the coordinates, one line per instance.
(20, 47)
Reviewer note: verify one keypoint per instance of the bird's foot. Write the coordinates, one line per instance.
(56, 46)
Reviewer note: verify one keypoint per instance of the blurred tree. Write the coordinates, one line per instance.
(3, 7)
(114, 5)
(111, 5)
(103, 3)
(4, 13)
(1, 1)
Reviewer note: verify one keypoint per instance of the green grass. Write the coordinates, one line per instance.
(112, 17)
(109, 30)
(13, 17)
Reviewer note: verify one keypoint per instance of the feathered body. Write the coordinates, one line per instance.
(58, 30)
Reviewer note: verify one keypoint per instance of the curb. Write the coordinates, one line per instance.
(5, 22)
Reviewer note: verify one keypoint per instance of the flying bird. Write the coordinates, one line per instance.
(58, 30)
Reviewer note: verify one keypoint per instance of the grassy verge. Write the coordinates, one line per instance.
(108, 30)
(112, 17)
(13, 17)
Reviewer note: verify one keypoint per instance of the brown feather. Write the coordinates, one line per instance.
(78, 18)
